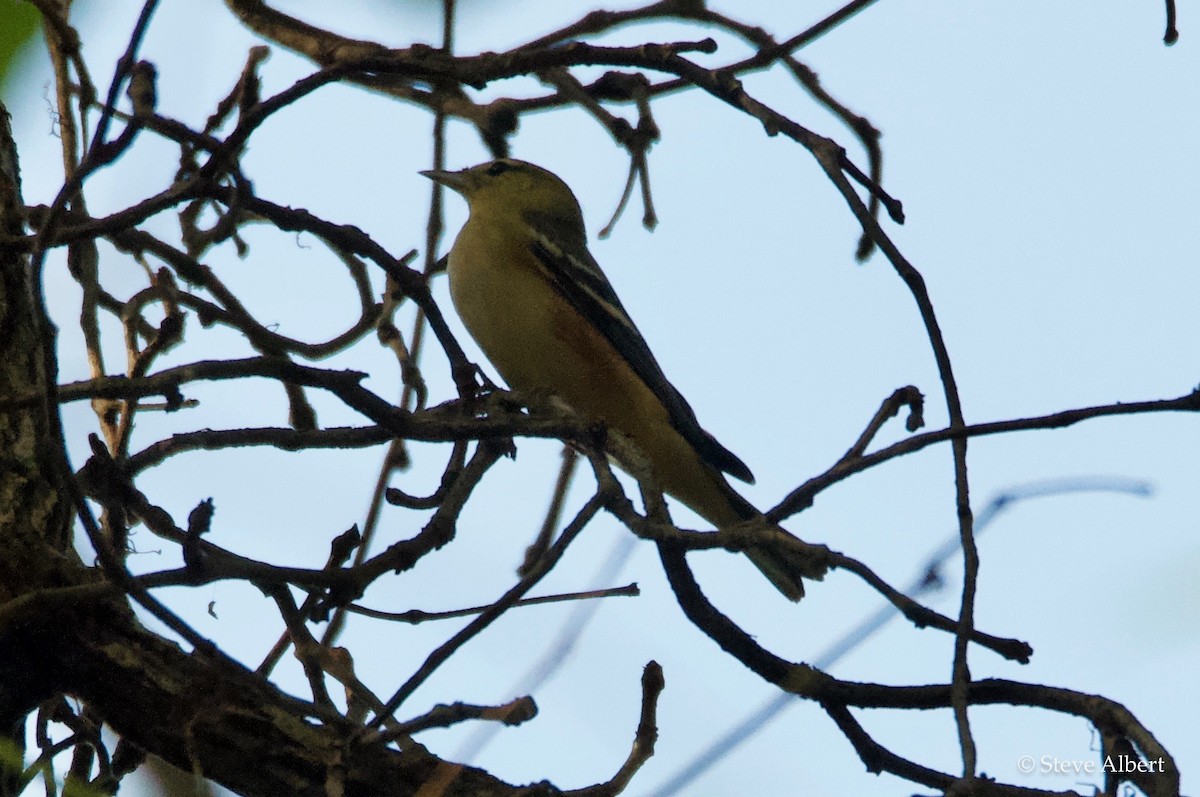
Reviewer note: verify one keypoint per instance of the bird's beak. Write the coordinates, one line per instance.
(455, 181)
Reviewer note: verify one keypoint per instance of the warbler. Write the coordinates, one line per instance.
(535, 300)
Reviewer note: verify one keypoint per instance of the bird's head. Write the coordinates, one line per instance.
(509, 185)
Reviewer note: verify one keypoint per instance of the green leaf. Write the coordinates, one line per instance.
(18, 23)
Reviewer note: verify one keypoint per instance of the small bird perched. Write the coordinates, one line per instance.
(536, 302)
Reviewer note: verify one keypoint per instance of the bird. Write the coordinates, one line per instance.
(547, 318)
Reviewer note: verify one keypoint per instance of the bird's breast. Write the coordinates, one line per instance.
(535, 338)
(540, 343)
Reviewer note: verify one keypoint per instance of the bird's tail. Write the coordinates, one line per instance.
(709, 495)
(786, 570)
(785, 567)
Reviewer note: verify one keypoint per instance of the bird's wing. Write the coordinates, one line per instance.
(566, 262)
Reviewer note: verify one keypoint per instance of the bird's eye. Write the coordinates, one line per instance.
(499, 167)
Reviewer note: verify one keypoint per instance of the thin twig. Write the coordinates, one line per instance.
(503, 604)
(414, 616)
